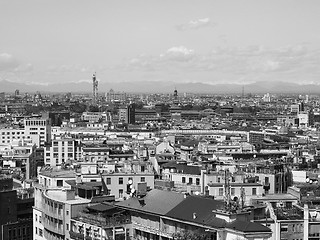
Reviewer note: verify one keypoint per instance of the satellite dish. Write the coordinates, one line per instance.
(133, 190)
(130, 181)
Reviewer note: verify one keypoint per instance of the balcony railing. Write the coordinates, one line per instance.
(53, 227)
(76, 236)
(104, 221)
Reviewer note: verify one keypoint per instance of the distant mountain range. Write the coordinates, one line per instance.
(164, 87)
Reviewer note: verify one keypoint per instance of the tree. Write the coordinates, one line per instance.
(191, 235)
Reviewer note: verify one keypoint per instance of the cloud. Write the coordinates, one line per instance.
(178, 54)
(8, 62)
(195, 24)
(254, 63)
(24, 68)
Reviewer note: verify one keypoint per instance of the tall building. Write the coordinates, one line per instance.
(127, 114)
(38, 127)
(15, 212)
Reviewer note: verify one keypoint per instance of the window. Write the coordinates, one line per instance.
(36, 230)
(233, 191)
(120, 193)
(67, 226)
(121, 180)
(59, 183)
(142, 168)
(190, 180)
(254, 191)
(108, 181)
(284, 228)
(183, 180)
(218, 180)
(142, 179)
(220, 191)
(36, 217)
(197, 181)
(39, 219)
(40, 232)
(67, 212)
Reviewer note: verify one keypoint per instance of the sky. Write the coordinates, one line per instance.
(214, 41)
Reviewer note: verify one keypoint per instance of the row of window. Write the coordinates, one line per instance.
(191, 180)
(18, 232)
(12, 133)
(233, 191)
(35, 123)
(120, 180)
(56, 143)
(13, 137)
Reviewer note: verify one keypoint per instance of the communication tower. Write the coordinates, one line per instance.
(95, 89)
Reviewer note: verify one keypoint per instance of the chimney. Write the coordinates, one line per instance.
(70, 194)
(142, 202)
(194, 215)
(78, 178)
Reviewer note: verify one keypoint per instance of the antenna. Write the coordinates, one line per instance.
(242, 91)
(227, 196)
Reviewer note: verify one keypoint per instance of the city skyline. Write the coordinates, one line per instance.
(211, 42)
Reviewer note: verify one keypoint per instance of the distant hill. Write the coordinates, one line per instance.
(163, 87)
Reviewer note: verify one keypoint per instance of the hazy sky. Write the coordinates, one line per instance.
(235, 41)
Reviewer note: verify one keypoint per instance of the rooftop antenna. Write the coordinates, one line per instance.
(227, 195)
(242, 91)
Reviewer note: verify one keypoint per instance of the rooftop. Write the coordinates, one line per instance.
(155, 202)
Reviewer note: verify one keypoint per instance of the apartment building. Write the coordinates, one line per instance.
(55, 204)
(62, 151)
(38, 127)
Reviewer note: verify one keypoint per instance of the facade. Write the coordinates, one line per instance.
(15, 212)
(55, 204)
(151, 219)
(8, 135)
(38, 127)
(101, 221)
(62, 151)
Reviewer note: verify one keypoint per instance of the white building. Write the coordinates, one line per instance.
(55, 204)
(62, 151)
(38, 127)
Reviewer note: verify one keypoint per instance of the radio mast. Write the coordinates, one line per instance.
(94, 89)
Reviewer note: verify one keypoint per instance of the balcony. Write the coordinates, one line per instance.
(50, 236)
(104, 221)
(53, 227)
(76, 236)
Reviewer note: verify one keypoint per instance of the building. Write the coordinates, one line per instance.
(15, 212)
(101, 221)
(130, 178)
(60, 151)
(151, 219)
(126, 114)
(38, 127)
(55, 204)
(113, 96)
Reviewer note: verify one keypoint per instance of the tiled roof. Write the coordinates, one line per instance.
(247, 227)
(198, 210)
(155, 202)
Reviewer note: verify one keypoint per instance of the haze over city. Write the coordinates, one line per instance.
(209, 42)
